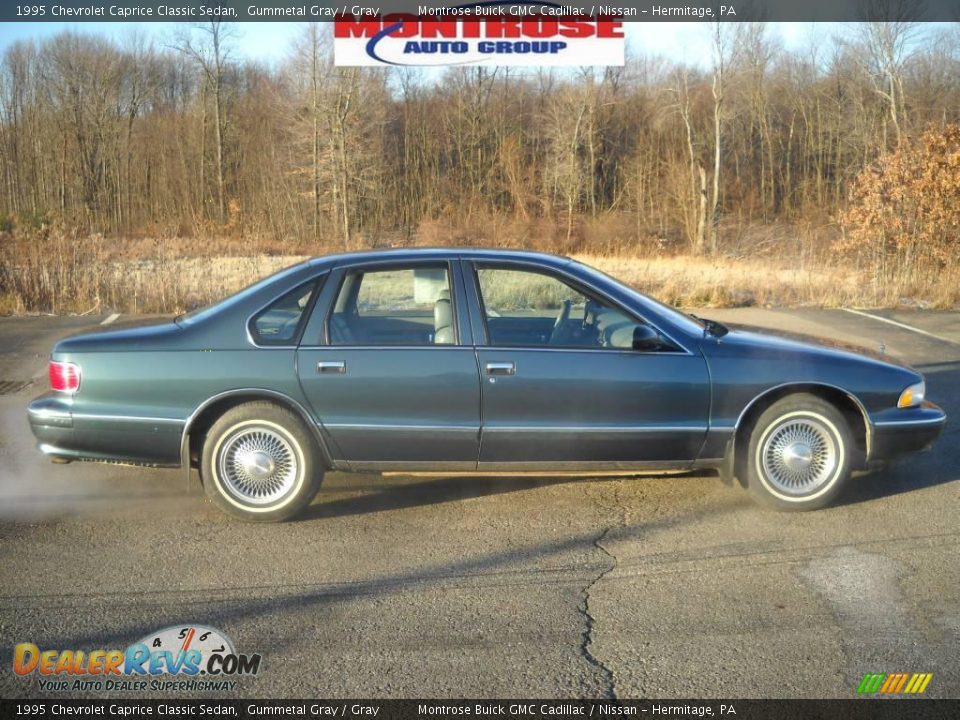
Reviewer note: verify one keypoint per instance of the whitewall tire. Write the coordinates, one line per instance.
(799, 453)
(260, 463)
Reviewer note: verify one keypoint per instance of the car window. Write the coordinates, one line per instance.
(529, 308)
(396, 306)
(279, 323)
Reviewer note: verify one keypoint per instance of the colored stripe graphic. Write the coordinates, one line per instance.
(894, 683)
(871, 683)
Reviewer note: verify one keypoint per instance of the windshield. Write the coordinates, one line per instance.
(688, 323)
(205, 312)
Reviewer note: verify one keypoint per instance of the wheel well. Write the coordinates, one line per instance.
(846, 405)
(209, 415)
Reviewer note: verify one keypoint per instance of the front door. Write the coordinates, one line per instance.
(390, 380)
(562, 384)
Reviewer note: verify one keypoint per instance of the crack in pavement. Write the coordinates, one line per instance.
(610, 691)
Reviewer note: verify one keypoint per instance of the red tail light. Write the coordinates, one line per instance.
(64, 376)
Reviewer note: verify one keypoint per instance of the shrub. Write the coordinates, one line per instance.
(906, 208)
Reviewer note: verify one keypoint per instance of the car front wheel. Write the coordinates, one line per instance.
(799, 453)
(260, 463)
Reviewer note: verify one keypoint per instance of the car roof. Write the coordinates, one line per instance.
(420, 253)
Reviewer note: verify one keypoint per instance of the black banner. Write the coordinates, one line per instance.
(627, 10)
(853, 709)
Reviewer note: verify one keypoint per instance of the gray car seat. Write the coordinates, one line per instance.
(340, 333)
(443, 320)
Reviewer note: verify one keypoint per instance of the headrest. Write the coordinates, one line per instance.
(442, 314)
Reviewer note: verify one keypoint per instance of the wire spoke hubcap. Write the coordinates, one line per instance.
(799, 455)
(258, 465)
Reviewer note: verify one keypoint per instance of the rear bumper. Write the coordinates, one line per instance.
(904, 431)
(51, 422)
(63, 433)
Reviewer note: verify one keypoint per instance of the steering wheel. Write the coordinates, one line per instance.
(560, 323)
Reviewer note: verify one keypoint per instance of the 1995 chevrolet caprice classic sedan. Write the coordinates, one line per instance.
(469, 360)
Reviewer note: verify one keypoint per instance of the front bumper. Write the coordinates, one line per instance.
(907, 430)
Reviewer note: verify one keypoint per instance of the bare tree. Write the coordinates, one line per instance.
(211, 51)
(128, 138)
(887, 37)
(726, 51)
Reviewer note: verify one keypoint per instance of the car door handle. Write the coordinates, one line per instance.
(330, 368)
(501, 368)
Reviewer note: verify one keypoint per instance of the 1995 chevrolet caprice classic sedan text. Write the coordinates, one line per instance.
(469, 360)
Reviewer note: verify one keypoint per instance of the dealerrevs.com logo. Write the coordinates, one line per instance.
(177, 658)
(496, 33)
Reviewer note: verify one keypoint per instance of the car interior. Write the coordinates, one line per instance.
(409, 306)
(279, 323)
(413, 306)
(527, 308)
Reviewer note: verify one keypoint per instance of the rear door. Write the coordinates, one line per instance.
(562, 384)
(386, 370)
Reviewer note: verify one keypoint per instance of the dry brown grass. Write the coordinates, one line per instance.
(87, 275)
(93, 274)
(723, 282)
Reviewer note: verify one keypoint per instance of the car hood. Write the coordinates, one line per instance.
(779, 341)
(140, 335)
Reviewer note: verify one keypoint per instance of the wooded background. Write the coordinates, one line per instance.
(762, 150)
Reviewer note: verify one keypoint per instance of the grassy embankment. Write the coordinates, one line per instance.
(95, 275)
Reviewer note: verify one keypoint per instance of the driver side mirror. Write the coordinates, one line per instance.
(646, 339)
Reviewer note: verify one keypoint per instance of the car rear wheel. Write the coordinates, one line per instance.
(260, 463)
(799, 454)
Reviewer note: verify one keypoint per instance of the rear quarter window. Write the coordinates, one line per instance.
(280, 322)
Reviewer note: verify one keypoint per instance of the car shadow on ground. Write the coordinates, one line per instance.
(394, 495)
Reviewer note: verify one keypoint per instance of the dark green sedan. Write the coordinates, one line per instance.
(469, 360)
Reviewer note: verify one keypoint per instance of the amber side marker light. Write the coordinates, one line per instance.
(912, 396)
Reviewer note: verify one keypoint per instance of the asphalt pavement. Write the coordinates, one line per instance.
(671, 586)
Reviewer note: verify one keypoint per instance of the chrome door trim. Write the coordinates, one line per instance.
(522, 428)
(596, 429)
(573, 349)
(401, 428)
(425, 346)
(588, 466)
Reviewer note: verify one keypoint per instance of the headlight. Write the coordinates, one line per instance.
(913, 395)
